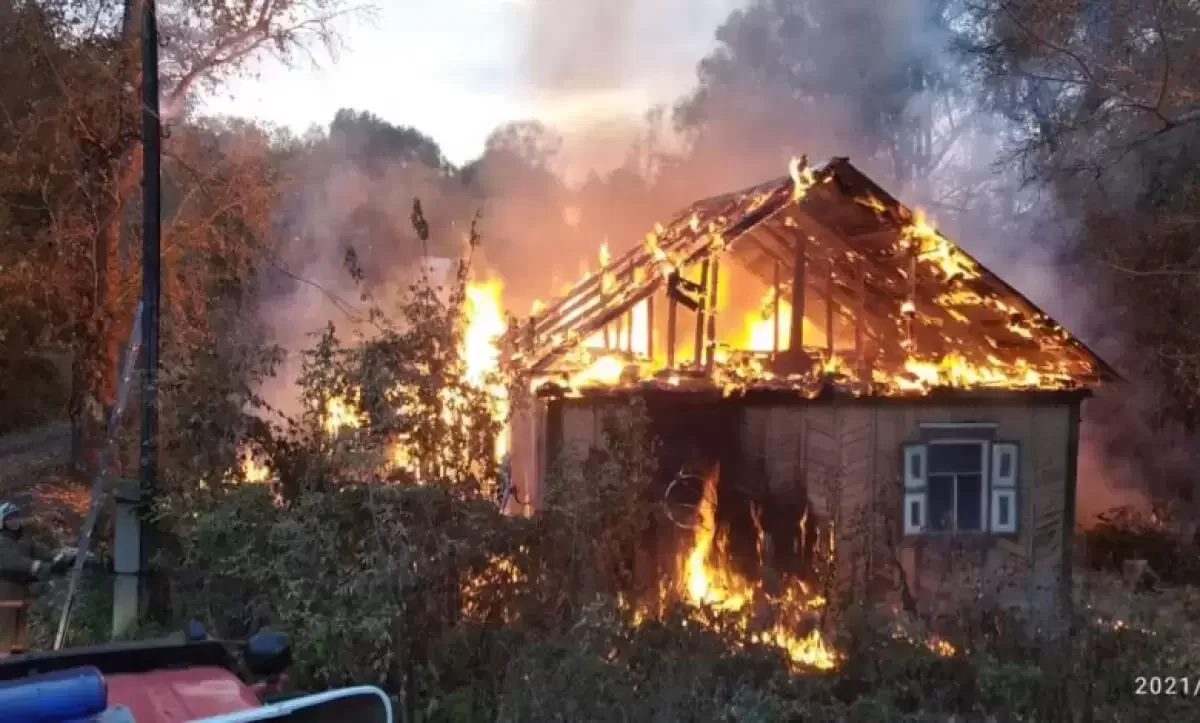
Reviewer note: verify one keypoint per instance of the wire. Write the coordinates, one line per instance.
(679, 477)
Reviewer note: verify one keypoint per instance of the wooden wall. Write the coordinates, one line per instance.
(527, 454)
(846, 458)
(850, 456)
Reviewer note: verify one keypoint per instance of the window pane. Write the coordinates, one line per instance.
(1006, 460)
(970, 502)
(914, 513)
(914, 465)
(1002, 512)
(941, 503)
(955, 458)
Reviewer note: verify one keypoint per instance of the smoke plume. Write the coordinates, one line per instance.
(881, 83)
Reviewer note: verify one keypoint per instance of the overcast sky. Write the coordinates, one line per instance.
(457, 68)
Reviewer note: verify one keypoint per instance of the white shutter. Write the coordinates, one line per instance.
(915, 473)
(914, 513)
(1004, 510)
(1004, 464)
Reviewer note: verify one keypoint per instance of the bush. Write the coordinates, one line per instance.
(464, 614)
(1123, 534)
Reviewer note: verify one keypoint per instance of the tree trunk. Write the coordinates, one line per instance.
(95, 367)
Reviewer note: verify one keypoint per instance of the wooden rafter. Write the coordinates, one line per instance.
(849, 224)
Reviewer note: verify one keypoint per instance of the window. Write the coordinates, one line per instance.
(960, 482)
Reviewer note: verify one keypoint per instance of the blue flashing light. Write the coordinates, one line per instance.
(65, 695)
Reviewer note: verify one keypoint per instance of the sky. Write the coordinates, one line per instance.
(455, 69)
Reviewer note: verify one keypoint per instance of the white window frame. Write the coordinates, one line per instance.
(914, 501)
(1004, 486)
(999, 526)
(993, 485)
(915, 457)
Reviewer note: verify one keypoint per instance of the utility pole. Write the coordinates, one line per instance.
(131, 544)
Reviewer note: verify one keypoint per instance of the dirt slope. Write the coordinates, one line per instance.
(33, 466)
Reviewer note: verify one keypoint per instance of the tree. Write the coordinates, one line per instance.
(370, 141)
(75, 160)
(529, 144)
(841, 76)
(526, 211)
(1105, 102)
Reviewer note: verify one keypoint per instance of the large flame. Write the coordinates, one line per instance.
(340, 413)
(485, 324)
(706, 578)
(760, 325)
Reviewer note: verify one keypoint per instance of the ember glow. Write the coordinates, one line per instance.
(934, 643)
(941, 646)
(902, 308)
(252, 470)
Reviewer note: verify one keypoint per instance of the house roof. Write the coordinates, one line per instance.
(919, 295)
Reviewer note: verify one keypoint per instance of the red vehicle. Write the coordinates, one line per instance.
(170, 681)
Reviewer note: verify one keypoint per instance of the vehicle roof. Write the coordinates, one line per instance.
(178, 695)
(123, 658)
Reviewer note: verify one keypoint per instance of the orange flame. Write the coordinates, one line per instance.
(802, 176)
(706, 579)
(485, 324)
(340, 413)
(254, 471)
(931, 245)
(738, 351)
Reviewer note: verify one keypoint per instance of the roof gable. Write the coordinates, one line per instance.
(924, 312)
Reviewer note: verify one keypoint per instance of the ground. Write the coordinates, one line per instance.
(33, 466)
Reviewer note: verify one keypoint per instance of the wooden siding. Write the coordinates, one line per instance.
(845, 460)
(1021, 567)
(527, 456)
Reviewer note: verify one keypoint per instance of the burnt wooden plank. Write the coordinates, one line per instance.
(710, 336)
(799, 288)
(705, 285)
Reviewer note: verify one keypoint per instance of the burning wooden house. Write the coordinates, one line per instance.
(879, 372)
